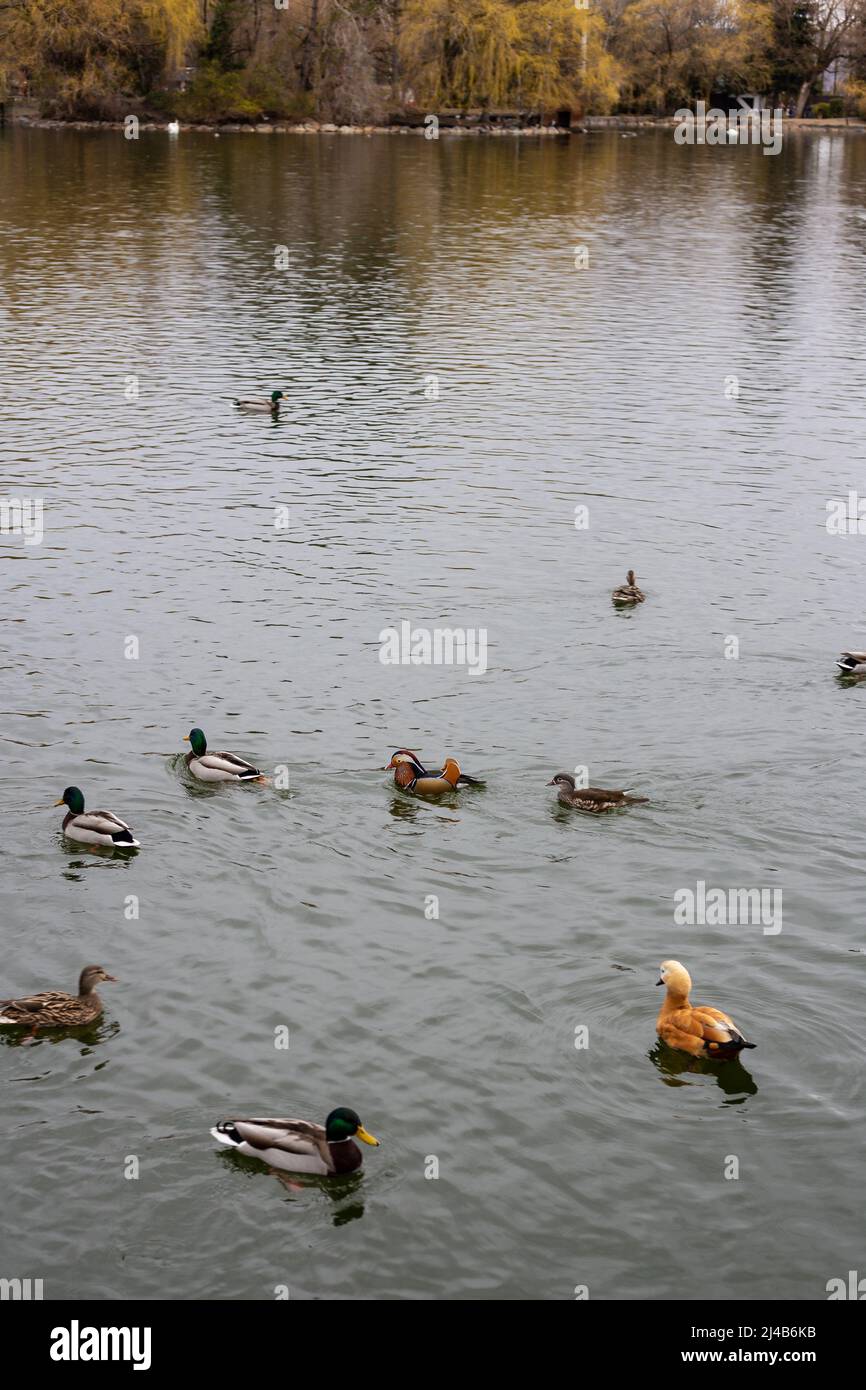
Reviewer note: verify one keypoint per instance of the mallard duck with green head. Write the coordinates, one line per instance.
(300, 1146)
(94, 827)
(53, 1008)
(217, 767)
(264, 405)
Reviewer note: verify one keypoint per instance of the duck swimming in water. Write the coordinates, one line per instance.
(628, 593)
(217, 767)
(694, 1028)
(591, 798)
(94, 827)
(300, 1146)
(53, 1008)
(852, 663)
(410, 774)
(270, 406)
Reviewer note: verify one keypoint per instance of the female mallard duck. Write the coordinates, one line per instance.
(96, 827)
(409, 771)
(591, 798)
(56, 1009)
(694, 1028)
(628, 593)
(852, 663)
(299, 1146)
(265, 405)
(217, 767)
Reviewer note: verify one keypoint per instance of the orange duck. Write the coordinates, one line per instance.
(694, 1028)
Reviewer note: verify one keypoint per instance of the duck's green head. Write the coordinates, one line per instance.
(276, 396)
(344, 1124)
(73, 797)
(197, 741)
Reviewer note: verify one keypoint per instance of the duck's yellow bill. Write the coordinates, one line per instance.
(361, 1133)
(185, 738)
(61, 802)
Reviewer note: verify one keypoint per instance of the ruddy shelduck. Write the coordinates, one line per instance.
(694, 1028)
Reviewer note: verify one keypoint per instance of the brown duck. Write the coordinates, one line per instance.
(628, 593)
(591, 798)
(694, 1028)
(55, 1009)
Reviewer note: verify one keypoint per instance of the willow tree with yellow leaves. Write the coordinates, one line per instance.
(677, 51)
(532, 54)
(85, 56)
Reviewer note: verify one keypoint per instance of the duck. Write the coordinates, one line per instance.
(694, 1028)
(628, 593)
(173, 127)
(94, 827)
(300, 1146)
(591, 798)
(53, 1008)
(852, 663)
(217, 767)
(408, 770)
(265, 405)
(411, 775)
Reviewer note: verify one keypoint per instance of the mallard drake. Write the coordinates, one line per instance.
(628, 593)
(694, 1028)
(409, 771)
(852, 663)
(56, 1009)
(270, 406)
(217, 767)
(300, 1146)
(591, 798)
(96, 827)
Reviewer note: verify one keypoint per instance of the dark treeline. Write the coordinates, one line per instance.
(361, 61)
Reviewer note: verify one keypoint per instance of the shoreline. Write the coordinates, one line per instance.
(586, 126)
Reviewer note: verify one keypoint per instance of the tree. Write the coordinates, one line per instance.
(678, 50)
(85, 53)
(500, 53)
(812, 35)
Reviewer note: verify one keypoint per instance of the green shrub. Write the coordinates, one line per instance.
(246, 95)
(828, 110)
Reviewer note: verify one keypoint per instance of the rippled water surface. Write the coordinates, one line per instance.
(602, 387)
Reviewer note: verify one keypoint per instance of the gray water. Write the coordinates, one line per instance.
(559, 387)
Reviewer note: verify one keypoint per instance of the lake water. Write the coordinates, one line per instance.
(699, 387)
